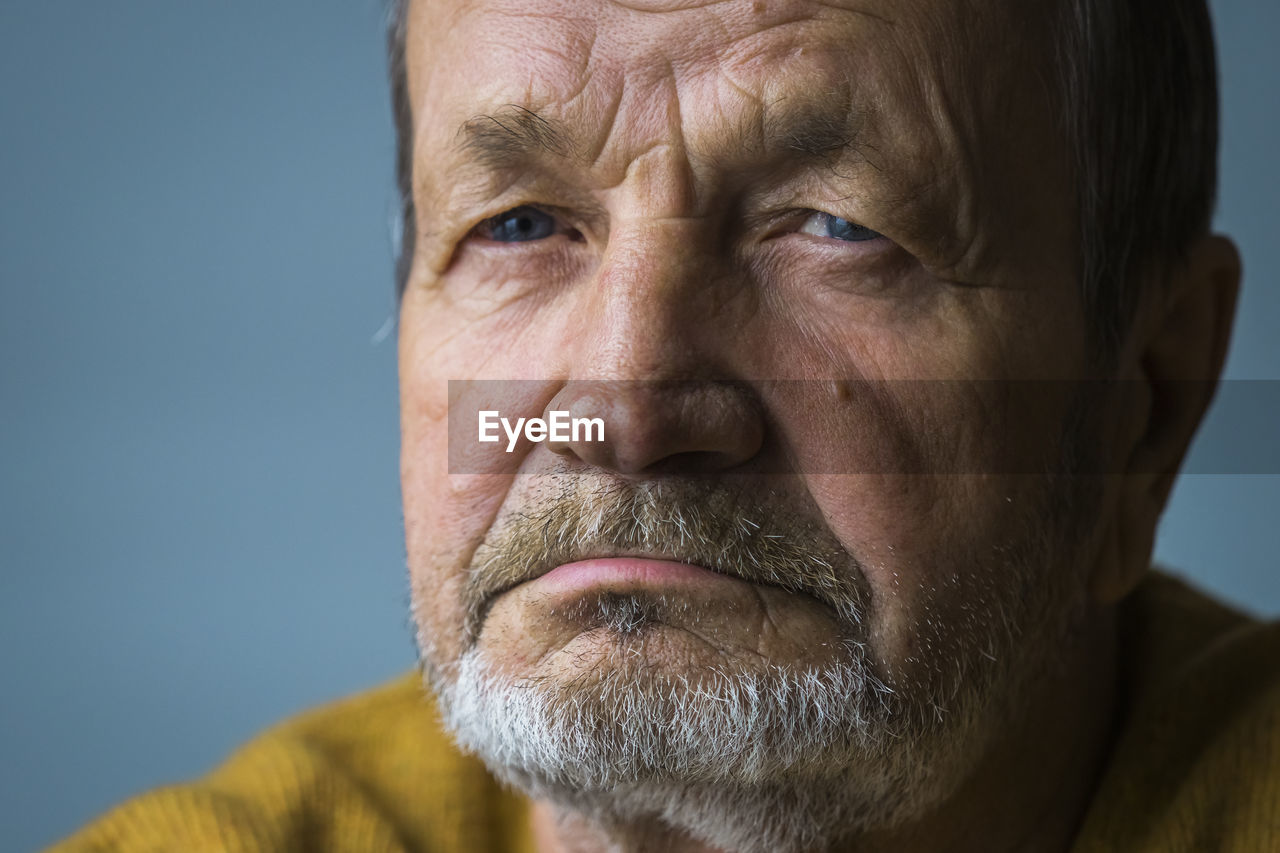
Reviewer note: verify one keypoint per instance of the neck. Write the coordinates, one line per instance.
(1029, 792)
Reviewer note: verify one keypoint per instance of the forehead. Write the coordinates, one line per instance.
(950, 97)
(573, 57)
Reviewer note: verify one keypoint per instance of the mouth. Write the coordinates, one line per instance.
(616, 570)
(627, 573)
(621, 565)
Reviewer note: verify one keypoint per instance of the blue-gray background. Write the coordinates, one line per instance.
(199, 509)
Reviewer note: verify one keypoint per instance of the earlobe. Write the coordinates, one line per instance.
(1127, 542)
(1171, 371)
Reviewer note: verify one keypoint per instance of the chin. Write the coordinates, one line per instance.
(706, 749)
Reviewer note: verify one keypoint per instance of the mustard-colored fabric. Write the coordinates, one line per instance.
(1196, 765)
(371, 773)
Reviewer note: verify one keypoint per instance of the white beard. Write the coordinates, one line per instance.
(756, 756)
(769, 760)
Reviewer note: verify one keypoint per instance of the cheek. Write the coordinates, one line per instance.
(916, 490)
(446, 517)
(948, 561)
(451, 496)
(445, 514)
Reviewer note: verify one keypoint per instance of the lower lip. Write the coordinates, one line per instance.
(626, 572)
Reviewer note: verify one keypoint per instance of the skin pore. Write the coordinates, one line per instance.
(801, 257)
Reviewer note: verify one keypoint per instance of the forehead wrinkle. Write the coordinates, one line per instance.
(793, 133)
(802, 134)
(651, 152)
(519, 130)
(816, 129)
(961, 142)
(514, 132)
(658, 7)
(797, 132)
(857, 9)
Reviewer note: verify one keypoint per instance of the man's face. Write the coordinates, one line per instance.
(796, 255)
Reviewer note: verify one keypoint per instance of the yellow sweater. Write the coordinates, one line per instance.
(1195, 768)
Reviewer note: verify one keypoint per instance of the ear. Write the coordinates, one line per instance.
(1168, 374)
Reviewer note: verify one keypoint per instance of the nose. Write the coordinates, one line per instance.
(658, 356)
(656, 426)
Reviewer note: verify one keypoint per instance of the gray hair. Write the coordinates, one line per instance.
(1139, 95)
(1137, 82)
(402, 115)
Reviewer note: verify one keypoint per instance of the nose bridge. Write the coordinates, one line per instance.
(646, 323)
(644, 315)
(645, 329)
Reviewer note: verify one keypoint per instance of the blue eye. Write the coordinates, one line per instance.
(835, 228)
(519, 225)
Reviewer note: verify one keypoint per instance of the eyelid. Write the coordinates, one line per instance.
(565, 224)
(791, 221)
(491, 222)
(584, 223)
(830, 219)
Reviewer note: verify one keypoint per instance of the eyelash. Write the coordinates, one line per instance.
(520, 217)
(517, 222)
(862, 232)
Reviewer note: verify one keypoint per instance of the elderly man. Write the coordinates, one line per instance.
(898, 319)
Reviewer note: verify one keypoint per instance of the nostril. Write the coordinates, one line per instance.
(693, 462)
(663, 427)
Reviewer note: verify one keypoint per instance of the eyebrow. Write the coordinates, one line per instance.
(513, 135)
(812, 133)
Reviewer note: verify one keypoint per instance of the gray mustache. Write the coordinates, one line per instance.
(755, 535)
